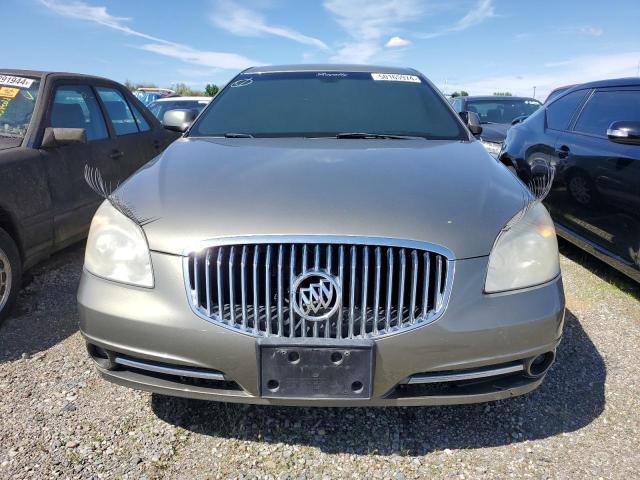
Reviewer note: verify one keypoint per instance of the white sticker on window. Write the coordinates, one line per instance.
(395, 77)
(19, 82)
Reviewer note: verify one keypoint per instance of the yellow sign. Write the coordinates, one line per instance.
(8, 92)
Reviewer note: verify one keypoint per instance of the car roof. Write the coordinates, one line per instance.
(326, 67)
(174, 99)
(612, 82)
(494, 97)
(41, 74)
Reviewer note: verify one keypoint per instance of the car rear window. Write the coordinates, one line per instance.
(317, 104)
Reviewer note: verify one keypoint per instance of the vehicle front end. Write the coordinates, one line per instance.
(323, 269)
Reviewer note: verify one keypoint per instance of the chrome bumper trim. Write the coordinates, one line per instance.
(179, 371)
(454, 377)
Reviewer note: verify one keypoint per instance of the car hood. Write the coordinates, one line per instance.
(494, 132)
(449, 193)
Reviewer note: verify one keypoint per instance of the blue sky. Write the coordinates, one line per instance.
(481, 46)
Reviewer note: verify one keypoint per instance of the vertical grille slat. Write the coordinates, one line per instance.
(267, 291)
(280, 292)
(256, 269)
(387, 325)
(365, 285)
(414, 286)
(381, 289)
(292, 278)
(232, 288)
(341, 280)
(243, 286)
(403, 271)
(352, 291)
(376, 305)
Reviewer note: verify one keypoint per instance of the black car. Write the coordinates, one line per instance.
(51, 126)
(591, 134)
(497, 114)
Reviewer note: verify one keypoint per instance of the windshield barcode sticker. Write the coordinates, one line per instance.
(11, 81)
(395, 77)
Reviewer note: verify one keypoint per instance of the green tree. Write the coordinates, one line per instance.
(503, 94)
(134, 86)
(210, 90)
(461, 93)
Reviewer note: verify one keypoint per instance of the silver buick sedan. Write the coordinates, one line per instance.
(324, 235)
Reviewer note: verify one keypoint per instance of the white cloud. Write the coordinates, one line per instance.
(481, 11)
(555, 74)
(395, 42)
(367, 23)
(591, 31)
(246, 23)
(79, 10)
(200, 57)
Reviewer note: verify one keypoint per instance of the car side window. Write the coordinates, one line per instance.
(143, 125)
(118, 109)
(606, 107)
(561, 111)
(75, 106)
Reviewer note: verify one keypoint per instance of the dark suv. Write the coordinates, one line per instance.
(51, 126)
(591, 133)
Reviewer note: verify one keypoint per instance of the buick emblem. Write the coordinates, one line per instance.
(316, 296)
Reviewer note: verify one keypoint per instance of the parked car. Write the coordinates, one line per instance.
(591, 134)
(163, 105)
(556, 93)
(497, 114)
(51, 126)
(324, 235)
(150, 94)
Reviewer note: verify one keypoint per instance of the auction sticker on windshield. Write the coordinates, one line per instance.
(395, 77)
(8, 92)
(12, 81)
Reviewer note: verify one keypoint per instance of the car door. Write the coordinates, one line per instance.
(601, 200)
(132, 149)
(73, 104)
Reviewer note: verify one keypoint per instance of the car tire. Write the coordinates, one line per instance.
(582, 189)
(10, 274)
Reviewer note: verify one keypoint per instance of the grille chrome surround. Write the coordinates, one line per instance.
(378, 278)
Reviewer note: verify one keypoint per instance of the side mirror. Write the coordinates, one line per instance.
(58, 137)
(626, 132)
(519, 119)
(178, 120)
(472, 121)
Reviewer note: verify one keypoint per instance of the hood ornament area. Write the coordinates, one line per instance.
(316, 296)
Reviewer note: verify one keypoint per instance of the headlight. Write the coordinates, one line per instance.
(492, 147)
(524, 255)
(117, 249)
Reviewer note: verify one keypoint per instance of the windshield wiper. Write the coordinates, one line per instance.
(374, 135)
(237, 135)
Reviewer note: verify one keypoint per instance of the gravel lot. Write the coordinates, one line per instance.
(59, 419)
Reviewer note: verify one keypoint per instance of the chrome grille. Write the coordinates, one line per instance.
(385, 287)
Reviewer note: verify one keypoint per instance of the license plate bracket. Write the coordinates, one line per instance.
(316, 368)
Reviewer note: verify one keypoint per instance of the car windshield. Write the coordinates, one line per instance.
(325, 104)
(17, 100)
(160, 108)
(504, 110)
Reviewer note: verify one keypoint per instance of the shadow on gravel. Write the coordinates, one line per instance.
(598, 267)
(45, 313)
(570, 398)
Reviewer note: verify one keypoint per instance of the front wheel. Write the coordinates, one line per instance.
(10, 274)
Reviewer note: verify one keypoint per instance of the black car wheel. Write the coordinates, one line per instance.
(581, 188)
(10, 273)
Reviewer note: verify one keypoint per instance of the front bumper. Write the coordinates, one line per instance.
(476, 333)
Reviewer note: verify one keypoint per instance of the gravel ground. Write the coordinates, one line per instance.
(59, 419)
